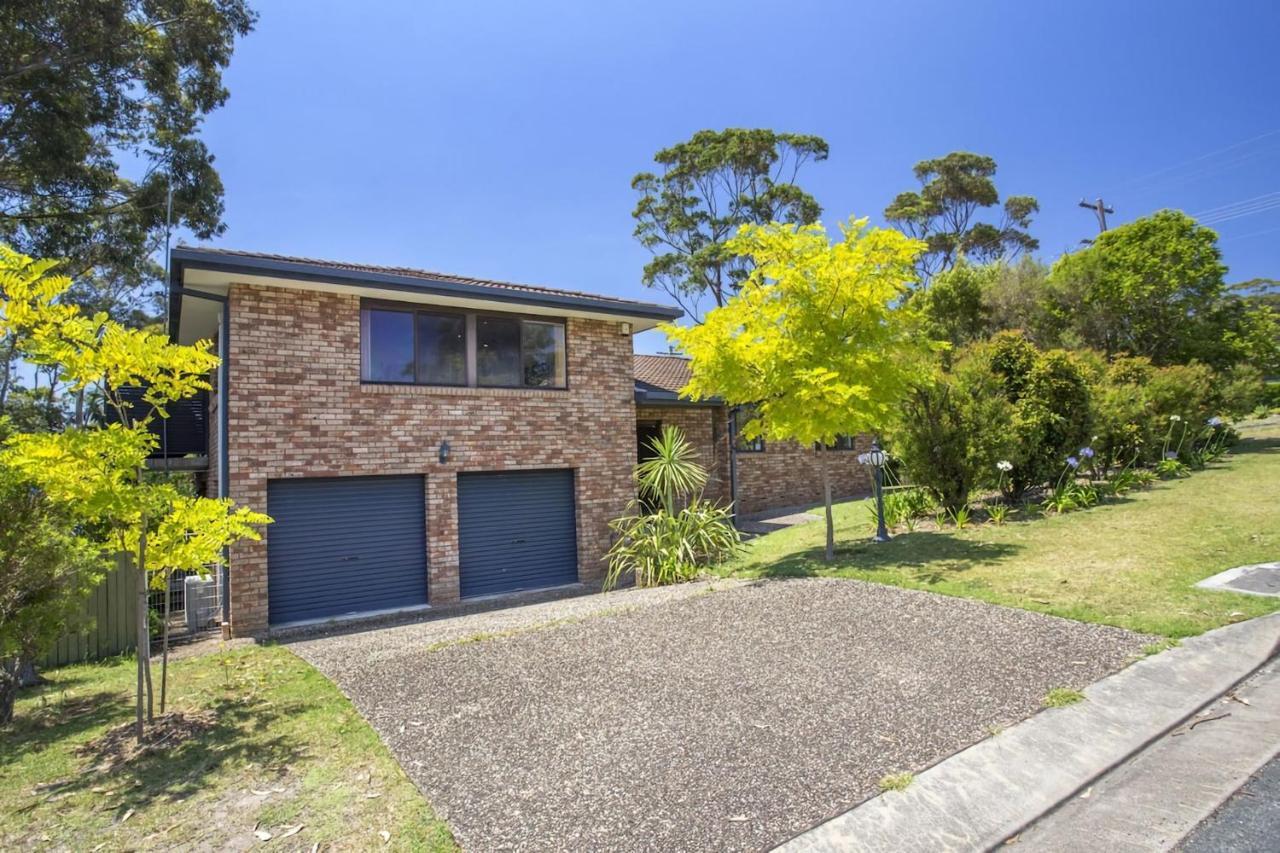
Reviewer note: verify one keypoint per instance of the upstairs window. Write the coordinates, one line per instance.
(403, 344)
(842, 442)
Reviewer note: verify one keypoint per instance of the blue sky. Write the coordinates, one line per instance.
(499, 139)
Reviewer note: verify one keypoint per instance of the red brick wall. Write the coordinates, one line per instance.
(706, 430)
(298, 409)
(786, 474)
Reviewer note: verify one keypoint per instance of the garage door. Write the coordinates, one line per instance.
(516, 530)
(345, 545)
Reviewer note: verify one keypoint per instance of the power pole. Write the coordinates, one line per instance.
(1100, 209)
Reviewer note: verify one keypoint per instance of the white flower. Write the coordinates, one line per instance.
(1175, 418)
(1005, 465)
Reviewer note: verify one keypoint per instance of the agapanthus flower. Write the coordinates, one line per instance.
(1214, 421)
(1170, 454)
(1005, 465)
(1175, 418)
(1086, 452)
(1073, 462)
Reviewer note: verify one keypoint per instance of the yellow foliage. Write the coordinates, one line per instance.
(819, 337)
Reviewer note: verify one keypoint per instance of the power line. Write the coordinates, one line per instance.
(1250, 234)
(1199, 158)
(1223, 208)
(1262, 207)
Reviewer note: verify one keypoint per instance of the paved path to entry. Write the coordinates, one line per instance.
(733, 719)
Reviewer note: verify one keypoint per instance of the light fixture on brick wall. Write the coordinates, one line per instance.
(626, 328)
(444, 451)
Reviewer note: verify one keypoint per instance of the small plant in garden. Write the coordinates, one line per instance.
(674, 543)
(1060, 697)
(998, 513)
(897, 781)
(1170, 467)
(960, 517)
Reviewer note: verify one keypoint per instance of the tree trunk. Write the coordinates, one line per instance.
(164, 644)
(144, 633)
(9, 678)
(826, 498)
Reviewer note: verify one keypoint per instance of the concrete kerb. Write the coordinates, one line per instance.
(988, 793)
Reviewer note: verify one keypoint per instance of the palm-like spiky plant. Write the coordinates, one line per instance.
(673, 472)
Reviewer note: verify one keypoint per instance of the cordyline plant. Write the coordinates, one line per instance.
(97, 474)
(683, 534)
(819, 338)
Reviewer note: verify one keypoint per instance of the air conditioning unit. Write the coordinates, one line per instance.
(201, 601)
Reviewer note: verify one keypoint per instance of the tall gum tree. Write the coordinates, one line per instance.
(711, 185)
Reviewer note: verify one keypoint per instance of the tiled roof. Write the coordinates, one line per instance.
(667, 372)
(232, 255)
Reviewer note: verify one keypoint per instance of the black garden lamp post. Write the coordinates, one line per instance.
(876, 458)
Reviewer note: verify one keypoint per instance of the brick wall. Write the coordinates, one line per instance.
(784, 475)
(787, 474)
(298, 409)
(706, 430)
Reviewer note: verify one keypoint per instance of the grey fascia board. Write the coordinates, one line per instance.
(195, 259)
(670, 398)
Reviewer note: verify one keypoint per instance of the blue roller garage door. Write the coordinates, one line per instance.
(345, 545)
(516, 530)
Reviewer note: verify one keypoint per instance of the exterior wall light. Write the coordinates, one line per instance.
(444, 451)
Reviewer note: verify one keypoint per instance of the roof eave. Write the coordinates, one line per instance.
(189, 258)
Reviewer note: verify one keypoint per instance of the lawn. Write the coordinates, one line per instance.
(1131, 562)
(277, 750)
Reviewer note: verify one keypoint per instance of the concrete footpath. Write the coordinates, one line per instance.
(991, 792)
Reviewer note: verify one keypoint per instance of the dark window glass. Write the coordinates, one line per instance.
(741, 417)
(542, 346)
(842, 442)
(389, 346)
(498, 351)
(442, 349)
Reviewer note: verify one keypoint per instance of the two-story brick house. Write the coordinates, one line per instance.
(420, 439)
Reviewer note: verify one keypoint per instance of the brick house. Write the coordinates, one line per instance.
(423, 439)
(757, 475)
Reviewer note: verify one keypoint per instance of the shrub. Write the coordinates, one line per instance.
(1051, 419)
(955, 430)
(659, 548)
(46, 573)
(684, 534)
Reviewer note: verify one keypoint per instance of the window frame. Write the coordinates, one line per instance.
(836, 448)
(473, 344)
(469, 342)
(740, 444)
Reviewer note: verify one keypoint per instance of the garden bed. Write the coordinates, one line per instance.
(1132, 561)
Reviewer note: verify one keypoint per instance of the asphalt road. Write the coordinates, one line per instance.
(1249, 822)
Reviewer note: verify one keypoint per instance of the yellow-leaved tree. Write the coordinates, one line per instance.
(98, 473)
(819, 339)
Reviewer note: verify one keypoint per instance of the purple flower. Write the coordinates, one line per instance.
(1086, 452)
(1073, 462)
(1215, 422)
(1170, 454)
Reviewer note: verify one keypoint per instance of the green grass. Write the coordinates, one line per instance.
(897, 781)
(1131, 562)
(1061, 697)
(285, 748)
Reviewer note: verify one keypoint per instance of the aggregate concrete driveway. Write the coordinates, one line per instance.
(729, 720)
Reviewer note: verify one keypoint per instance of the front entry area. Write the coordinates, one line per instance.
(517, 530)
(342, 546)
